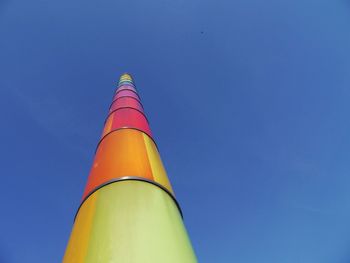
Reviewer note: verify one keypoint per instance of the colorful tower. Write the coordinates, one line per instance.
(128, 213)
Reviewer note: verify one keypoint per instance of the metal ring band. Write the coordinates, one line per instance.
(125, 97)
(125, 83)
(126, 80)
(118, 91)
(129, 178)
(122, 128)
(143, 114)
(132, 90)
(138, 98)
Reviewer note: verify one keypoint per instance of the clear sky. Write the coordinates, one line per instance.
(248, 101)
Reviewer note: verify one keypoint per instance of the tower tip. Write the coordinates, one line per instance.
(126, 77)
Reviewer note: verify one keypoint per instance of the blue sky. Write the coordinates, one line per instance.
(251, 118)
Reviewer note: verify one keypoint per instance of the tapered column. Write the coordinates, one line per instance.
(128, 212)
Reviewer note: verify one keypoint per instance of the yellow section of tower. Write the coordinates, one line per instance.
(79, 240)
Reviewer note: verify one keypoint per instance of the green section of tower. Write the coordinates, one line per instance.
(132, 222)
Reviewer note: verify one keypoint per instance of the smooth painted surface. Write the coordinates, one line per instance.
(126, 87)
(78, 245)
(129, 222)
(126, 93)
(126, 102)
(126, 152)
(126, 118)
